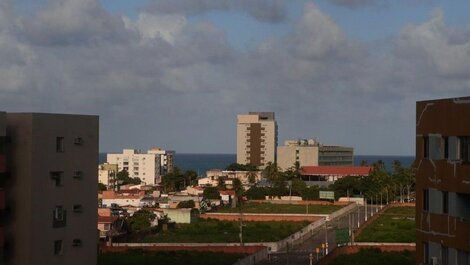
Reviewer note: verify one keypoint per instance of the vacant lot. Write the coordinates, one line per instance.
(376, 257)
(213, 231)
(254, 207)
(396, 225)
(168, 258)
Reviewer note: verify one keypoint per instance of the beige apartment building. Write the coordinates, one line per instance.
(50, 216)
(107, 175)
(312, 153)
(149, 167)
(256, 138)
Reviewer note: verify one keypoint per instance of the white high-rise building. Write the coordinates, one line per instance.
(167, 159)
(256, 138)
(145, 166)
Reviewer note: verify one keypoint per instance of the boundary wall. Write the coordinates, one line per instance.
(355, 248)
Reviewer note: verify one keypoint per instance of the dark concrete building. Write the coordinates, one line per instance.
(48, 164)
(443, 181)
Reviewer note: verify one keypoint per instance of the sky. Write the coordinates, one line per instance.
(175, 73)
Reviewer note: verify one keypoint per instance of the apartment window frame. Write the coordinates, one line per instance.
(57, 177)
(426, 200)
(426, 147)
(444, 255)
(446, 147)
(59, 217)
(58, 247)
(77, 242)
(426, 252)
(464, 149)
(60, 144)
(445, 202)
(78, 174)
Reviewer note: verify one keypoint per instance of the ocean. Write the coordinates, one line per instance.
(203, 162)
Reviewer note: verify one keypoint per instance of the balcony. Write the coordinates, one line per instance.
(452, 231)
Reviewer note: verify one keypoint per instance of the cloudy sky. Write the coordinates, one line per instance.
(175, 73)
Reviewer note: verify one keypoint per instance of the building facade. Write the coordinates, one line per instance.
(443, 181)
(107, 175)
(256, 138)
(50, 215)
(312, 153)
(145, 166)
(167, 160)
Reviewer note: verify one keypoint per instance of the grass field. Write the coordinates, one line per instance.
(264, 207)
(168, 258)
(214, 231)
(376, 257)
(396, 224)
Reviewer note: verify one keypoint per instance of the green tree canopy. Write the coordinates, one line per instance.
(211, 193)
(187, 204)
(140, 220)
(241, 167)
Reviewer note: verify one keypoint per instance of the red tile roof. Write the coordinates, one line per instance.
(335, 170)
(106, 219)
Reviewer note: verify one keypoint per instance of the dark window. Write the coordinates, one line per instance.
(58, 247)
(426, 252)
(426, 200)
(444, 255)
(59, 217)
(78, 141)
(60, 145)
(426, 147)
(445, 202)
(465, 149)
(446, 147)
(58, 178)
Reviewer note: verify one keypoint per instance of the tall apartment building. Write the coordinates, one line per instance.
(145, 166)
(256, 138)
(167, 160)
(443, 181)
(107, 175)
(50, 190)
(312, 153)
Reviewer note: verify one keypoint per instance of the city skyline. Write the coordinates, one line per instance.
(176, 73)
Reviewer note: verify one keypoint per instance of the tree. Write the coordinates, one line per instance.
(211, 193)
(241, 167)
(123, 177)
(101, 187)
(187, 204)
(252, 177)
(140, 220)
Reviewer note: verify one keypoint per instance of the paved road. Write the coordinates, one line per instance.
(299, 255)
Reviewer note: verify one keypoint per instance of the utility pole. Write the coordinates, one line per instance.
(326, 237)
(365, 215)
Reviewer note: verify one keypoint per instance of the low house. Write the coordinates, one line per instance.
(122, 197)
(243, 176)
(227, 196)
(110, 225)
(182, 216)
(326, 175)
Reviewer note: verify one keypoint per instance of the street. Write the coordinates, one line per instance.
(299, 254)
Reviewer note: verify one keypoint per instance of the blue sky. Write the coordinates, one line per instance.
(175, 73)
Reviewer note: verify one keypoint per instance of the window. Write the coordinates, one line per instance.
(446, 147)
(444, 255)
(445, 202)
(59, 217)
(60, 144)
(465, 149)
(58, 247)
(426, 147)
(426, 200)
(58, 178)
(426, 252)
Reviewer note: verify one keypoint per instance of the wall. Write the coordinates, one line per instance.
(348, 250)
(261, 217)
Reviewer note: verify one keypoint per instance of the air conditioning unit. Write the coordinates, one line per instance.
(78, 141)
(78, 174)
(434, 261)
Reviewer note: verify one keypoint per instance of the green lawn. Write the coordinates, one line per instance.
(254, 207)
(376, 257)
(140, 257)
(214, 231)
(396, 224)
